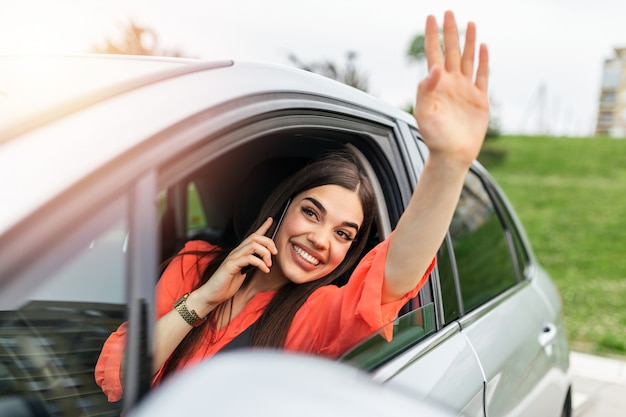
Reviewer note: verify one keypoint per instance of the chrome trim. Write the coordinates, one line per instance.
(438, 296)
(398, 364)
(492, 304)
(392, 368)
(405, 360)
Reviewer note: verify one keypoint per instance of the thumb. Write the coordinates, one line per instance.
(431, 80)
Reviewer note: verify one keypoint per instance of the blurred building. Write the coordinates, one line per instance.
(612, 106)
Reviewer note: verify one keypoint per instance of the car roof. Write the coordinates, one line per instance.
(38, 160)
(35, 89)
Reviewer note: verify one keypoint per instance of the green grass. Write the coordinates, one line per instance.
(571, 197)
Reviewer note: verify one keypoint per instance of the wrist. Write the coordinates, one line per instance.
(198, 302)
(448, 163)
(187, 313)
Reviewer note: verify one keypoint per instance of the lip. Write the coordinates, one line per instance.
(302, 262)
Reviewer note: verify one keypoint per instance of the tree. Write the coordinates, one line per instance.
(417, 49)
(349, 74)
(135, 40)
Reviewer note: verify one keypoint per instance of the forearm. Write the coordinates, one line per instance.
(423, 225)
(171, 329)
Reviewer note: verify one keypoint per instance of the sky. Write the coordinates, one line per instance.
(546, 56)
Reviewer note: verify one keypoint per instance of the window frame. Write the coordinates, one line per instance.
(375, 143)
(512, 235)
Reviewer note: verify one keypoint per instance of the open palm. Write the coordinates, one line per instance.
(452, 106)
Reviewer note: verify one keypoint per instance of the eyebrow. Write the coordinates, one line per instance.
(321, 208)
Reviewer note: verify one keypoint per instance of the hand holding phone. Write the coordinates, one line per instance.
(272, 233)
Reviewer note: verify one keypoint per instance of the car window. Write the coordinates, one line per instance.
(181, 216)
(521, 259)
(196, 217)
(448, 280)
(477, 250)
(50, 343)
(393, 339)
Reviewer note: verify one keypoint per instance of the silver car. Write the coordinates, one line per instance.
(109, 164)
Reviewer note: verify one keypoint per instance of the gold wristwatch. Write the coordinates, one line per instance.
(190, 316)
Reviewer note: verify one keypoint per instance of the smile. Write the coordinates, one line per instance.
(305, 255)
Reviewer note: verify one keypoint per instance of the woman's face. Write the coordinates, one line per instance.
(317, 231)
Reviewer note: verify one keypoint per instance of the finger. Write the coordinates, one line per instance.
(451, 42)
(264, 251)
(255, 261)
(430, 82)
(265, 226)
(467, 60)
(482, 73)
(432, 47)
(425, 87)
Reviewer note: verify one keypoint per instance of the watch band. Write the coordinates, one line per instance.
(190, 316)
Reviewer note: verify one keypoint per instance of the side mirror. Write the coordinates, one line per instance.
(279, 384)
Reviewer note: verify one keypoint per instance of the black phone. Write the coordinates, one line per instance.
(271, 232)
(274, 227)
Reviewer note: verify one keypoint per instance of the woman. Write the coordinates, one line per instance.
(205, 298)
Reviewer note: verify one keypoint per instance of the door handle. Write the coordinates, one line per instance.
(547, 336)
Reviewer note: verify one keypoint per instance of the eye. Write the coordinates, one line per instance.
(309, 212)
(344, 235)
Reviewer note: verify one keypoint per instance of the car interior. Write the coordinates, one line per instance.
(231, 198)
(210, 195)
(230, 190)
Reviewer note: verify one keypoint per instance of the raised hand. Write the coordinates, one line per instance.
(452, 106)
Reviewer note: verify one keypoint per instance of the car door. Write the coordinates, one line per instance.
(505, 304)
(505, 316)
(60, 305)
(92, 254)
(492, 346)
(488, 289)
(427, 356)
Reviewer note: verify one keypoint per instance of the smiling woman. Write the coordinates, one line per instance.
(286, 299)
(174, 163)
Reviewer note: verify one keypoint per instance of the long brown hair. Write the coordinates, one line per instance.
(270, 330)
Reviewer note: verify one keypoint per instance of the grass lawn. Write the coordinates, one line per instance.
(571, 196)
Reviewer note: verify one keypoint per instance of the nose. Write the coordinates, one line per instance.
(319, 238)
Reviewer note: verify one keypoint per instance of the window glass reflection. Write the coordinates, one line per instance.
(50, 344)
(481, 251)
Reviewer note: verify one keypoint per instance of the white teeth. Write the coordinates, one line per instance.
(304, 255)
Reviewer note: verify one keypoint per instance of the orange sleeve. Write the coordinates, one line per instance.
(341, 317)
(180, 277)
(109, 364)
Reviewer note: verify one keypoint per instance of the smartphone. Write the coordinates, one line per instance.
(274, 227)
(271, 232)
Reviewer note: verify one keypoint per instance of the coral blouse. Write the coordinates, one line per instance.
(330, 322)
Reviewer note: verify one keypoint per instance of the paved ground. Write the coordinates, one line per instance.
(599, 386)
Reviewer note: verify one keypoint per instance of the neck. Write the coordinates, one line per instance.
(262, 282)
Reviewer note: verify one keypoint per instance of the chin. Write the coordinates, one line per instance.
(303, 278)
